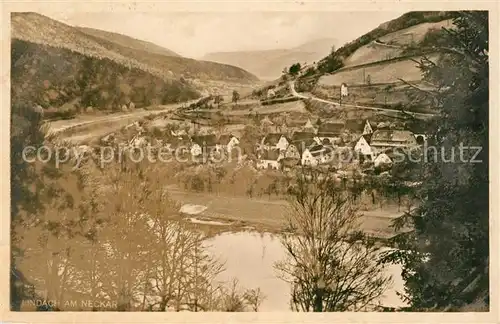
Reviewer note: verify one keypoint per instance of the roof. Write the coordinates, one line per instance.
(331, 128)
(270, 155)
(205, 140)
(355, 125)
(272, 139)
(367, 137)
(301, 136)
(388, 135)
(304, 144)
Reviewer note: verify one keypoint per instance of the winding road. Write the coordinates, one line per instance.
(60, 126)
(299, 95)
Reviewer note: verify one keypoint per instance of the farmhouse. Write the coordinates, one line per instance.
(269, 159)
(276, 141)
(309, 127)
(382, 161)
(343, 90)
(354, 125)
(363, 148)
(384, 139)
(367, 129)
(317, 154)
(331, 131)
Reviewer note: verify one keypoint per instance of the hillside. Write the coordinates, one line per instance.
(60, 78)
(128, 41)
(60, 66)
(268, 64)
(36, 28)
(374, 64)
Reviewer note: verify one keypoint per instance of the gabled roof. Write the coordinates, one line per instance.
(304, 144)
(205, 140)
(272, 139)
(318, 150)
(334, 128)
(355, 125)
(388, 135)
(367, 137)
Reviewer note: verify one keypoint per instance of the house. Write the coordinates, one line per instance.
(382, 161)
(331, 131)
(203, 144)
(383, 139)
(276, 141)
(367, 129)
(269, 159)
(299, 142)
(363, 148)
(343, 90)
(309, 127)
(271, 93)
(419, 131)
(227, 142)
(354, 125)
(316, 154)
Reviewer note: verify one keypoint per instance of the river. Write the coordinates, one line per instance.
(250, 257)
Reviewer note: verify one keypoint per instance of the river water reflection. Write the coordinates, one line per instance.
(250, 257)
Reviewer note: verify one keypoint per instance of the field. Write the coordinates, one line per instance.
(372, 52)
(380, 73)
(413, 34)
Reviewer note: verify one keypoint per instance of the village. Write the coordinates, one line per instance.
(316, 143)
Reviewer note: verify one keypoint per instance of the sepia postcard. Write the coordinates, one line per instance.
(271, 162)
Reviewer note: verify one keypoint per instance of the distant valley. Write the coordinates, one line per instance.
(268, 64)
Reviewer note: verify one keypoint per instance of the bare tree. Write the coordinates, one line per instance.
(330, 264)
(254, 298)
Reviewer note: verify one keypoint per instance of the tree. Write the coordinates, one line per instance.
(445, 258)
(236, 97)
(330, 264)
(218, 99)
(254, 298)
(294, 69)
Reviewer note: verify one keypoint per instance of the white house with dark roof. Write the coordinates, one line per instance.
(362, 146)
(368, 129)
(383, 139)
(316, 154)
(276, 141)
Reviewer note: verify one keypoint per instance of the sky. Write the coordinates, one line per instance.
(194, 34)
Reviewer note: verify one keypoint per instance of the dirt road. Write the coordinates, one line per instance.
(296, 94)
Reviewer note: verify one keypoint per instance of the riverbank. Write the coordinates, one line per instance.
(223, 213)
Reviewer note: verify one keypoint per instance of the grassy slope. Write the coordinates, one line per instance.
(409, 29)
